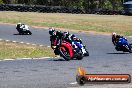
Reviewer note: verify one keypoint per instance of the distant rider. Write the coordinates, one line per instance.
(116, 40)
(22, 27)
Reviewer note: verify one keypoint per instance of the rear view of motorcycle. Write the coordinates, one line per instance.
(23, 29)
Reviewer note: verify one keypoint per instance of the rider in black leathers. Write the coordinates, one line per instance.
(58, 35)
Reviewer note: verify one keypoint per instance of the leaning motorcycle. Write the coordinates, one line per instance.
(23, 32)
(66, 51)
(122, 45)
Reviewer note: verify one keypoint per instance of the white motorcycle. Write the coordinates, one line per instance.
(23, 29)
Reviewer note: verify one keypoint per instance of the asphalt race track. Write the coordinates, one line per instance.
(57, 73)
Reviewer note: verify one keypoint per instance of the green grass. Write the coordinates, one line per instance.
(81, 22)
(17, 50)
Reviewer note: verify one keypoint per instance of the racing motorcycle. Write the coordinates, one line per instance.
(23, 31)
(66, 51)
(122, 45)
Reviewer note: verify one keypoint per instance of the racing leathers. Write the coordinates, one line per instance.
(115, 39)
(22, 27)
(119, 41)
(56, 38)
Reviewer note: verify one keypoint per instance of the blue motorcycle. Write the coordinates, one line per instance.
(122, 45)
(79, 47)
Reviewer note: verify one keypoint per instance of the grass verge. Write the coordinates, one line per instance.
(17, 50)
(82, 22)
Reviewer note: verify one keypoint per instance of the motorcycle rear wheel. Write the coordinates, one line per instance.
(130, 51)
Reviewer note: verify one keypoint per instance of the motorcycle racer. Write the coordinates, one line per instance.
(71, 38)
(55, 35)
(118, 40)
(76, 42)
(22, 26)
(23, 29)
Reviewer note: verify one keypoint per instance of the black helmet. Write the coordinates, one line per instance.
(72, 36)
(65, 34)
(51, 31)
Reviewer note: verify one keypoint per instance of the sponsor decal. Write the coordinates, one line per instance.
(83, 78)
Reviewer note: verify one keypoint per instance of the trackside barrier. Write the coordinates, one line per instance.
(57, 9)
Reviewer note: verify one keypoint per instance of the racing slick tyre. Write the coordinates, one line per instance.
(64, 53)
(130, 51)
(79, 56)
(29, 32)
(86, 54)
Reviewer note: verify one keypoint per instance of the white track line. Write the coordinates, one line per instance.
(34, 44)
(8, 59)
(7, 40)
(130, 36)
(21, 42)
(41, 45)
(42, 58)
(73, 83)
(26, 58)
(14, 41)
(27, 43)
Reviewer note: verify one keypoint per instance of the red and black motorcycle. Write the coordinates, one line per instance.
(66, 50)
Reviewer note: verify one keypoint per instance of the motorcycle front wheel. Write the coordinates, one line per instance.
(29, 32)
(64, 53)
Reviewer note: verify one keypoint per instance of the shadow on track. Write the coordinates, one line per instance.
(61, 60)
(119, 53)
(20, 34)
(16, 34)
(56, 60)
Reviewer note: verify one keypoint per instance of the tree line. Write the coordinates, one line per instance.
(84, 4)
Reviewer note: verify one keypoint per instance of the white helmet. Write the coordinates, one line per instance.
(113, 34)
(19, 24)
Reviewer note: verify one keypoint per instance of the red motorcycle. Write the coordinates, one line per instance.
(66, 50)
